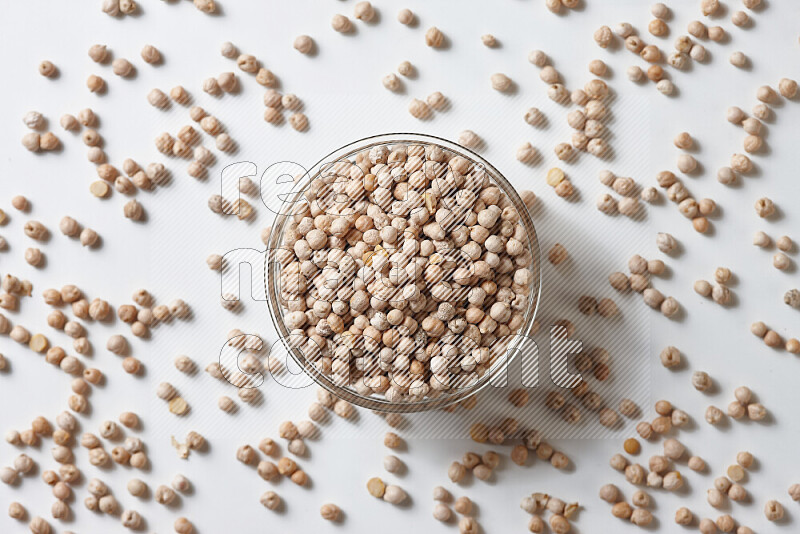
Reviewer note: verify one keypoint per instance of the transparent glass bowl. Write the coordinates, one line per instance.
(375, 401)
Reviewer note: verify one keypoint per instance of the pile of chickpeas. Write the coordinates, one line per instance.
(411, 285)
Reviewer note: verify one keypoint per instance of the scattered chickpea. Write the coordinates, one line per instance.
(121, 67)
(95, 83)
(784, 243)
(787, 88)
(557, 254)
(603, 36)
(500, 82)
(713, 415)
(183, 525)
(392, 464)
(622, 510)
(303, 44)
(330, 512)
(270, 500)
(658, 28)
(781, 261)
(701, 381)
(696, 463)
(773, 510)
(434, 37)
(635, 73)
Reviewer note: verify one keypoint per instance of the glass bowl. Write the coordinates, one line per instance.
(347, 392)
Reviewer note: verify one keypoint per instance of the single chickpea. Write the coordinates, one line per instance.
(773, 510)
(713, 415)
(738, 59)
(603, 36)
(95, 83)
(500, 82)
(122, 67)
(696, 463)
(683, 141)
(740, 18)
(183, 525)
(302, 43)
(787, 88)
(784, 243)
(330, 512)
(658, 28)
(781, 261)
(434, 37)
(634, 73)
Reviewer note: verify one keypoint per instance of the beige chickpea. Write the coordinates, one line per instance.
(603, 36)
(709, 7)
(341, 24)
(696, 29)
(787, 88)
(658, 28)
(500, 82)
(773, 510)
(741, 163)
(434, 37)
(738, 59)
(122, 67)
(698, 52)
(781, 261)
(330, 512)
(740, 18)
(302, 43)
(95, 83)
(764, 207)
(298, 121)
(634, 73)
(183, 525)
(784, 243)
(419, 109)
(683, 141)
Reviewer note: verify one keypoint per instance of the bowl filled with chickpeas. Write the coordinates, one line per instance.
(403, 272)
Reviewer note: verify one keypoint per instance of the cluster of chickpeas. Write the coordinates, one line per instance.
(605, 37)
(554, 6)
(295, 434)
(639, 281)
(587, 122)
(376, 487)
(560, 512)
(100, 497)
(660, 473)
(720, 292)
(480, 466)
(685, 47)
(188, 144)
(35, 141)
(120, 66)
(274, 102)
(784, 244)
(398, 280)
(137, 177)
(773, 339)
(627, 188)
(754, 128)
(463, 506)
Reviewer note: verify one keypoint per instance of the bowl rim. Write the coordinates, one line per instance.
(271, 271)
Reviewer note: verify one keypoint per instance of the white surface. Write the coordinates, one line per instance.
(344, 100)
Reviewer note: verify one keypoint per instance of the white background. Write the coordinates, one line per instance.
(344, 100)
